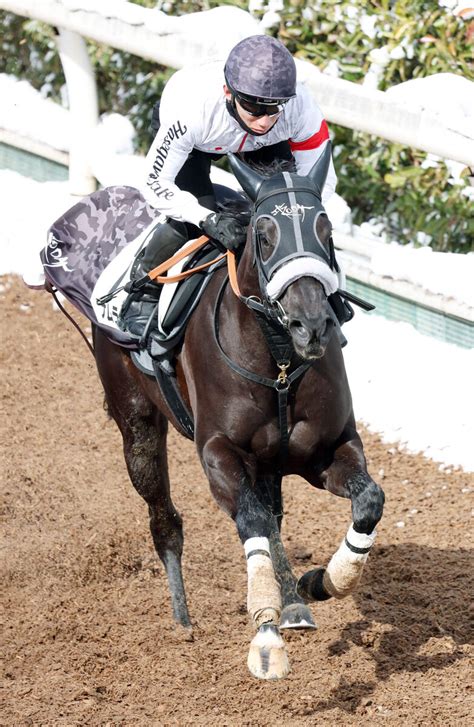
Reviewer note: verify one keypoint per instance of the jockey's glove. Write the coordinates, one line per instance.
(224, 229)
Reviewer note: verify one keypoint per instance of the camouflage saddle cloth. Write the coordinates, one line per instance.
(85, 240)
(89, 253)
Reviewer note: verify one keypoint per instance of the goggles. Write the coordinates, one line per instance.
(261, 109)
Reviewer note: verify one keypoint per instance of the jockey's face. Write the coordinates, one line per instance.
(260, 124)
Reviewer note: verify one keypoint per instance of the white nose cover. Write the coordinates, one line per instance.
(297, 268)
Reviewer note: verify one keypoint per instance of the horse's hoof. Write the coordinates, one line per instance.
(267, 655)
(184, 633)
(297, 616)
(310, 586)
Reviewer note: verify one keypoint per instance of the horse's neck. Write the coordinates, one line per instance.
(243, 337)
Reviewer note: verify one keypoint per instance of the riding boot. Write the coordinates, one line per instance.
(142, 301)
(167, 239)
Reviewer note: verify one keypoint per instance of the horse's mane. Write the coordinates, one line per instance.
(238, 208)
(274, 167)
(242, 208)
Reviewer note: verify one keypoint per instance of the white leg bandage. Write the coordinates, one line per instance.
(263, 594)
(346, 565)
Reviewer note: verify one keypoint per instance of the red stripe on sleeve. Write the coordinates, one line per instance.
(242, 143)
(313, 142)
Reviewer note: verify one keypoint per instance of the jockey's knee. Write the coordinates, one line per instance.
(165, 242)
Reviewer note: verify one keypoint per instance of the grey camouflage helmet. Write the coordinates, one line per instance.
(262, 69)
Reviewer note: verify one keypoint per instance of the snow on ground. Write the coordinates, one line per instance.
(29, 208)
(448, 274)
(25, 111)
(414, 390)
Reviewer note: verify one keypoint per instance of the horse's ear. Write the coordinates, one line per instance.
(319, 171)
(249, 180)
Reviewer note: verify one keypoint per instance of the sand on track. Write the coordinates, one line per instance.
(88, 636)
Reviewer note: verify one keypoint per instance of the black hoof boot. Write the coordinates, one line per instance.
(297, 616)
(310, 586)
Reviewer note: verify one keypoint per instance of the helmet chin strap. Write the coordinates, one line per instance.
(232, 109)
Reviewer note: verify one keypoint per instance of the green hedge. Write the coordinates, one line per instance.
(378, 179)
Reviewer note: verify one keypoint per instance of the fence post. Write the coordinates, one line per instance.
(83, 106)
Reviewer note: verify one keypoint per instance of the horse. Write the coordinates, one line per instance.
(263, 374)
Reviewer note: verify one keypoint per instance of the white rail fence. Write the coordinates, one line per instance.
(176, 41)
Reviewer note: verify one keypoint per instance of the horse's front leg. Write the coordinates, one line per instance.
(231, 474)
(347, 476)
(295, 613)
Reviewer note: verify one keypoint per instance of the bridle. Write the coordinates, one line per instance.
(273, 310)
(281, 349)
(273, 321)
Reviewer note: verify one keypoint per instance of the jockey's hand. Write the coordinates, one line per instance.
(225, 229)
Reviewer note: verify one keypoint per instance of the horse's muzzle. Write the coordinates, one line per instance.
(310, 337)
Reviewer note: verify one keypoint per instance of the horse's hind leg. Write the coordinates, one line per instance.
(144, 431)
(295, 613)
(145, 455)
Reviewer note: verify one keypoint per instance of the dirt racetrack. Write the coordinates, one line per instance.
(88, 637)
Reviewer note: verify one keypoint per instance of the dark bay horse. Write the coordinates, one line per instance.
(264, 377)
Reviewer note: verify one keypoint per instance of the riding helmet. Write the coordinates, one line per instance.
(261, 69)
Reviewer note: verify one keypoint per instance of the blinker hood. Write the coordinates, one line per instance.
(293, 204)
(294, 212)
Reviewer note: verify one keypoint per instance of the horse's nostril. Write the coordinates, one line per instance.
(299, 330)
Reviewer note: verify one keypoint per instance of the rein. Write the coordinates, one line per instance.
(51, 289)
(156, 273)
(252, 301)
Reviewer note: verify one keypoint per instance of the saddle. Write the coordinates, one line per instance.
(89, 253)
(177, 301)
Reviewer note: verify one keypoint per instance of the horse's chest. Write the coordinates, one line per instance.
(304, 438)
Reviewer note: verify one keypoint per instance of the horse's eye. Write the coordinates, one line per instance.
(267, 230)
(323, 229)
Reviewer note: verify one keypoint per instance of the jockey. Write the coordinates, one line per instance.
(254, 107)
